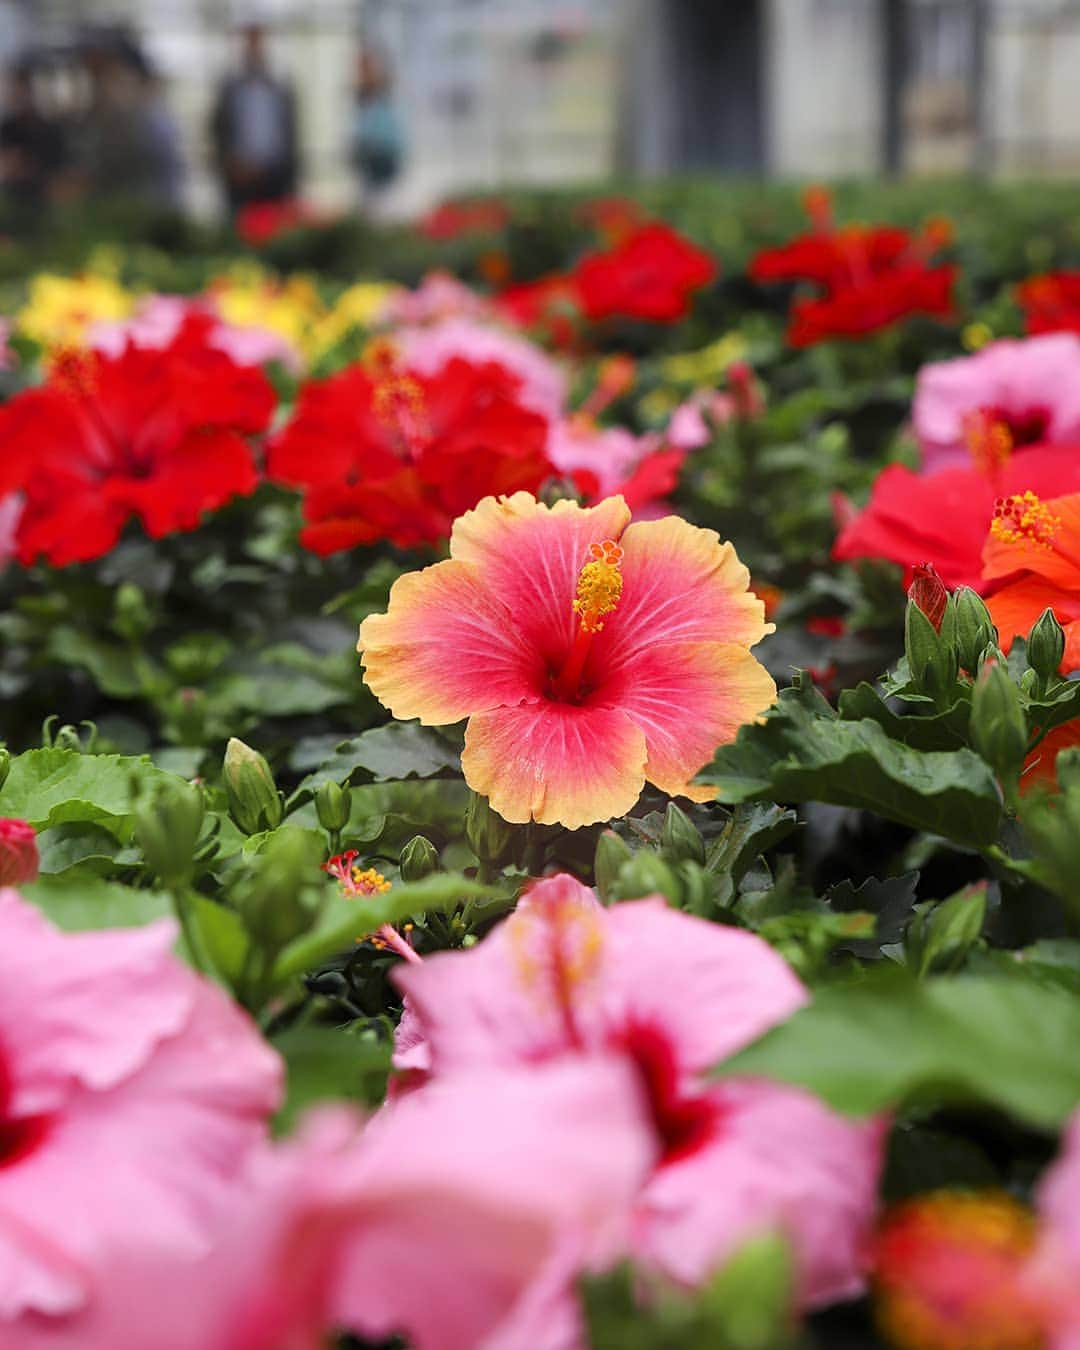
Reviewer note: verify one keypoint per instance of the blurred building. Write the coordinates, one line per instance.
(501, 92)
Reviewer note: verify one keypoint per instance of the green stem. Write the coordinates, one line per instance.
(192, 937)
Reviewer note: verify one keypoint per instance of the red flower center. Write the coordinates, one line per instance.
(685, 1121)
(19, 1135)
(599, 588)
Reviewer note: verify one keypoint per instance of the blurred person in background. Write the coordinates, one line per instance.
(32, 151)
(128, 145)
(253, 129)
(377, 141)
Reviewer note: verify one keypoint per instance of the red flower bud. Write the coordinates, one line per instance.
(927, 591)
(18, 852)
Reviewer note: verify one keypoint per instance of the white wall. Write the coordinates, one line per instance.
(823, 81)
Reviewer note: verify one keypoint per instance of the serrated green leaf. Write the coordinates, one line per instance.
(52, 785)
(803, 752)
(89, 903)
(398, 750)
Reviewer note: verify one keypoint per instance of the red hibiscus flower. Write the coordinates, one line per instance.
(261, 222)
(943, 518)
(832, 259)
(550, 307)
(650, 274)
(159, 435)
(450, 220)
(385, 452)
(876, 302)
(1051, 303)
(870, 276)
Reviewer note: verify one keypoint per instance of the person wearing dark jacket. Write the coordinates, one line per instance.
(254, 131)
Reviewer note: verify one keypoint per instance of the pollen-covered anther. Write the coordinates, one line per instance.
(599, 585)
(1024, 518)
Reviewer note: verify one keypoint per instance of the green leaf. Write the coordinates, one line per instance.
(330, 1063)
(51, 786)
(804, 752)
(108, 663)
(1002, 1040)
(395, 751)
(224, 937)
(347, 919)
(937, 731)
(90, 903)
(752, 830)
(88, 847)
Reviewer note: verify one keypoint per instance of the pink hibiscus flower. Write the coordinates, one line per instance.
(1012, 394)
(131, 1095)
(671, 995)
(543, 387)
(603, 461)
(159, 319)
(1054, 1275)
(588, 654)
(439, 296)
(537, 1184)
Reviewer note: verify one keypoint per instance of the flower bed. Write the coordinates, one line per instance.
(542, 782)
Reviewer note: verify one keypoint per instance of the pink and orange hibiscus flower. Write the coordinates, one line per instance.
(589, 654)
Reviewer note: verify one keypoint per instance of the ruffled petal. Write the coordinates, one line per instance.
(556, 763)
(1019, 603)
(779, 1159)
(447, 648)
(530, 556)
(688, 698)
(1057, 560)
(680, 584)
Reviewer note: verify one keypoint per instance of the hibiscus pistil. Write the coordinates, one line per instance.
(989, 440)
(599, 587)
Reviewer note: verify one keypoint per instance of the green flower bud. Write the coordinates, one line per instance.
(932, 662)
(1046, 645)
(998, 725)
(276, 897)
(332, 803)
(612, 854)
(973, 627)
(186, 710)
(131, 614)
(168, 821)
(488, 834)
(680, 839)
(254, 801)
(647, 874)
(5, 764)
(418, 859)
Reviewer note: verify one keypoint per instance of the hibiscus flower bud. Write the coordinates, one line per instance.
(648, 874)
(927, 590)
(612, 853)
(254, 801)
(680, 839)
(932, 662)
(488, 834)
(332, 804)
(418, 859)
(18, 852)
(274, 896)
(1046, 645)
(973, 628)
(998, 724)
(168, 822)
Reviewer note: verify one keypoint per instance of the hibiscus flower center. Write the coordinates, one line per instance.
(992, 434)
(1024, 518)
(599, 589)
(683, 1120)
(19, 1135)
(398, 401)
